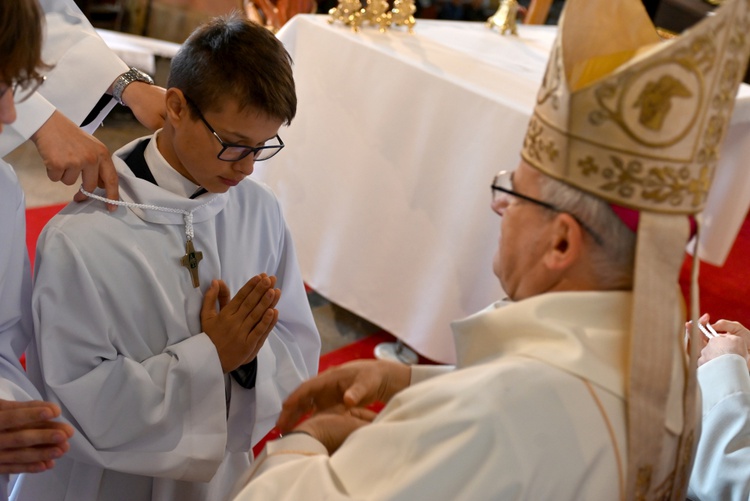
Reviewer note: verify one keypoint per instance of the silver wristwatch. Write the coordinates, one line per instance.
(130, 76)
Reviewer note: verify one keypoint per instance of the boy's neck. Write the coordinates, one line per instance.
(164, 141)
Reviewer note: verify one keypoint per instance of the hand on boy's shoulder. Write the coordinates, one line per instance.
(239, 326)
(69, 153)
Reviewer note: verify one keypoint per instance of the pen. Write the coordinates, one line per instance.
(712, 330)
(709, 334)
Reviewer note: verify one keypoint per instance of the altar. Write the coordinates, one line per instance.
(385, 179)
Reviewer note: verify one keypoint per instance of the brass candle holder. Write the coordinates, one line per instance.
(505, 17)
(402, 14)
(376, 14)
(348, 12)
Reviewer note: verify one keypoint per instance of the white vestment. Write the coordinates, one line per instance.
(721, 471)
(535, 410)
(118, 340)
(84, 67)
(15, 295)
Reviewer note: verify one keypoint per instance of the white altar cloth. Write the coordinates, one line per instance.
(385, 177)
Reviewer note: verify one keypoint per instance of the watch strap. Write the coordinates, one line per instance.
(130, 76)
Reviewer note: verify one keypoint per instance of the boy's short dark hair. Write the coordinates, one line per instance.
(20, 41)
(233, 57)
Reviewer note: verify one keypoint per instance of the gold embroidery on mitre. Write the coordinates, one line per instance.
(536, 146)
(552, 79)
(652, 91)
(711, 141)
(653, 126)
(655, 100)
(630, 181)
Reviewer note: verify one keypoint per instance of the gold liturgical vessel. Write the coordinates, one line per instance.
(402, 14)
(505, 17)
(348, 12)
(351, 13)
(376, 14)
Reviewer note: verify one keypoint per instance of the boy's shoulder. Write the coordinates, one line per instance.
(254, 194)
(84, 222)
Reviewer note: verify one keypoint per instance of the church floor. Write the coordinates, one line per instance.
(338, 327)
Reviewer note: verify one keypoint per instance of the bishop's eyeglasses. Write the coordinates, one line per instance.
(232, 152)
(502, 190)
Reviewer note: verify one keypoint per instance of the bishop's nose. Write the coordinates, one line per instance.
(499, 203)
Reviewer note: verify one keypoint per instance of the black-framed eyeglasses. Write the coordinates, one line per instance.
(23, 90)
(232, 152)
(502, 186)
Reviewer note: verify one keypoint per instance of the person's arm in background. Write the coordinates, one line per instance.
(83, 70)
(31, 437)
(723, 453)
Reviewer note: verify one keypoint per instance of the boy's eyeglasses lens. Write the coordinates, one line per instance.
(234, 153)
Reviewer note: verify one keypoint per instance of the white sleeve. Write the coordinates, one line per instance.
(15, 296)
(84, 67)
(420, 373)
(30, 116)
(291, 352)
(414, 458)
(721, 463)
(15, 290)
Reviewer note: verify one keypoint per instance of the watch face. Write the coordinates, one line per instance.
(138, 75)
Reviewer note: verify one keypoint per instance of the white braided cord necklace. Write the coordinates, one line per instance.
(192, 257)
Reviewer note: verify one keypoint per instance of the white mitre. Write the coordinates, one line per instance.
(630, 118)
(639, 122)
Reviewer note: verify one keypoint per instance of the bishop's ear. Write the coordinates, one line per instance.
(566, 242)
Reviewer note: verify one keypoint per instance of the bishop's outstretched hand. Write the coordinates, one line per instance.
(354, 384)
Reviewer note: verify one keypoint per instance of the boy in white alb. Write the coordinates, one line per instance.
(161, 329)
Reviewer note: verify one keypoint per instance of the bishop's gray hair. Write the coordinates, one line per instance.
(614, 257)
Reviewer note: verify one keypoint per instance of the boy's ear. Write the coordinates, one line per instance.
(565, 244)
(176, 105)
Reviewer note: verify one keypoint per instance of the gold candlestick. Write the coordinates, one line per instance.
(505, 17)
(402, 14)
(348, 12)
(376, 14)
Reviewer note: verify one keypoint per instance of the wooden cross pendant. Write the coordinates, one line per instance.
(191, 260)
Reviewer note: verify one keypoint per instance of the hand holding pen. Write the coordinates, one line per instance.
(724, 337)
